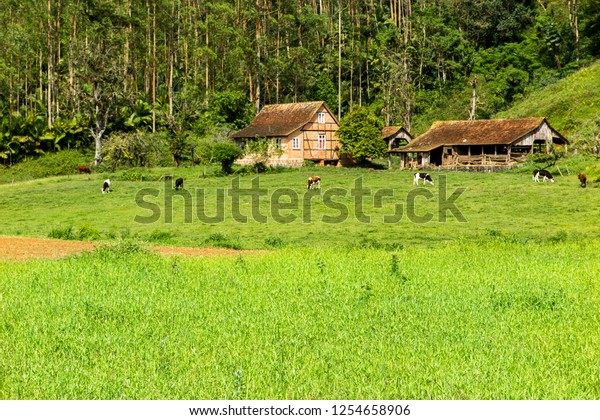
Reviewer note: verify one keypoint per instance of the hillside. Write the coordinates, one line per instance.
(572, 105)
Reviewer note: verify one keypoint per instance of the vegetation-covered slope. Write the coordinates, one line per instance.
(572, 106)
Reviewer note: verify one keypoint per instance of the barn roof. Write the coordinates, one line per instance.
(280, 120)
(391, 131)
(475, 132)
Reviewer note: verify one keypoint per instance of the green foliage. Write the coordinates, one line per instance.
(570, 104)
(160, 236)
(275, 242)
(225, 154)
(220, 240)
(133, 149)
(360, 135)
(51, 164)
(132, 175)
(64, 233)
(88, 233)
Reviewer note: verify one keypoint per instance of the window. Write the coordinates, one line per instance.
(296, 143)
(278, 143)
(321, 118)
(322, 141)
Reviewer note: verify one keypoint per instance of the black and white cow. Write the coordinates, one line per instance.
(178, 183)
(542, 173)
(106, 186)
(424, 176)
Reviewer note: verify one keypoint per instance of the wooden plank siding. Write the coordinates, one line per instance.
(307, 129)
(480, 143)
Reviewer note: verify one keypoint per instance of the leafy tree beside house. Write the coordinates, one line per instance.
(225, 154)
(360, 135)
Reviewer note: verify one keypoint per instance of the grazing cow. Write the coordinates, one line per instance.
(178, 183)
(84, 170)
(582, 179)
(106, 186)
(544, 174)
(422, 175)
(313, 182)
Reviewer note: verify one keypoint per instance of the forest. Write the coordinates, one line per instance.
(130, 75)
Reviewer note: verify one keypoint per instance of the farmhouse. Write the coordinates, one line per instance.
(395, 136)
(480, 143)
(297, 132)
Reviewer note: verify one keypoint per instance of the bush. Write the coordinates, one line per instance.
(121, 250)
(160, 236)
(275, 242)
(132, 175)
(65, 233)
(88, 233)
(225, 154)
(220, 240)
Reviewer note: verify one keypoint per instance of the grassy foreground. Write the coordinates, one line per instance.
(490, 319)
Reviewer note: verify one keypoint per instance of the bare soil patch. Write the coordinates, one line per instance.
(19, 248)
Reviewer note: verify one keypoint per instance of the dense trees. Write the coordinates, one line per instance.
(187, 66)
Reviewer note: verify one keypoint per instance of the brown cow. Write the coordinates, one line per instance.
(84, 170)
(313, 182)
(582, 179)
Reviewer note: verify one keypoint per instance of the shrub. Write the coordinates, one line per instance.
(225, 154)
(220, 240)
(275, 242)
(160, 236)
(120, 250)
(88, 233)
(65, 233)
(132, 175)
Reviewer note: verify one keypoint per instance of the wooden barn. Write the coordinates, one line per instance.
(297, 132)
(395, 136)
(480, 143)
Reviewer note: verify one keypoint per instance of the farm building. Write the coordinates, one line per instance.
(480, 143)
(395, 136)
(297, 132)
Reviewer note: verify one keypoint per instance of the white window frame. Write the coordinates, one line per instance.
(322, 138)
(296, 143)
(277, 143)
(321, 117)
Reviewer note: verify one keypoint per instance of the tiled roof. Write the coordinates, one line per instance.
(474, 132)
(280, 120)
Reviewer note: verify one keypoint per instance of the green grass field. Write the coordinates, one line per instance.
(484, 320)
(502, 305)
(506, 203)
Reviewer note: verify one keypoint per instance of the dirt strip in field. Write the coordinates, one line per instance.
(19, 248)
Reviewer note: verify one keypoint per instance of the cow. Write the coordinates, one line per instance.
(178, 183)
(582, 180)
(313, 182)
(83, 170)
(424, 176)
(544, 174)
(106, 186)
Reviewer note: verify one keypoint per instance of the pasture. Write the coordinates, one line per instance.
(501, 302)
(507, 204)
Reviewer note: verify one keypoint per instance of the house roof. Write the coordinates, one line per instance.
(475, 132)
(280, 120)
(391, 131)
